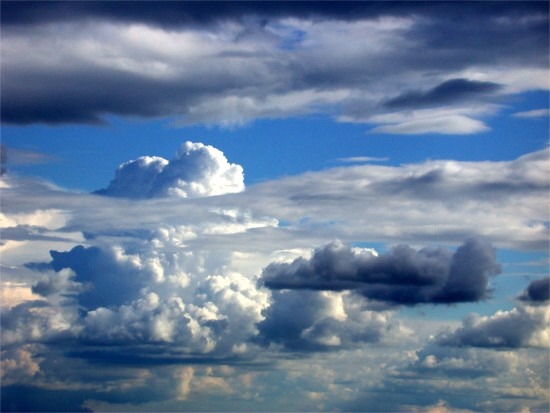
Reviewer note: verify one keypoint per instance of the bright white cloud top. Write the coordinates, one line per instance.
(372, 284)
(197, 170)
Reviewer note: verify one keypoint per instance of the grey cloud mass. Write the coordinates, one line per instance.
(538, 291)
(234, 63)
(401, 276)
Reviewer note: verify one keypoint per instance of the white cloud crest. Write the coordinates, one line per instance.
(197, 170)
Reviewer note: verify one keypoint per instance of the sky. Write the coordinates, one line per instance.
(275, 206)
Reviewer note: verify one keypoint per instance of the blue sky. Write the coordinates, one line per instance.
(289, 206)
(266, 148)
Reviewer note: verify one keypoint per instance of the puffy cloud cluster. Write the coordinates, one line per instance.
(326, 320)
(157, 285)
(520, 327)
(158, 294)
(197, 170)
(401, 276)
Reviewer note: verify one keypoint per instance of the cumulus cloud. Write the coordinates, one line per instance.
(538, 291)
(523, 326)
(197, 170)
(401, 276)
(323, 320)
(166, 283)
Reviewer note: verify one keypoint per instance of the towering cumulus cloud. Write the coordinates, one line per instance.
(197, 170)
(401, 276)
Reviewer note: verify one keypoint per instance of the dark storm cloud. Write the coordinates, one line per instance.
(447, 92)
(537, 292)
(402, 276)
(51, 79)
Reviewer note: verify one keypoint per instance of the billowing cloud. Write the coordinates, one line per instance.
(197, 170)
(401, 276)
(520, 327)
(163, 294)
(323, 320)
(233, 64)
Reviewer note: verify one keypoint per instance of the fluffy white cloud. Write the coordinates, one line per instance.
(197, 170)
(324, 320)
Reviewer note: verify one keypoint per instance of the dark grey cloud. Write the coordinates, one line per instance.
(402, 276)
(538, 291)
(450, 91)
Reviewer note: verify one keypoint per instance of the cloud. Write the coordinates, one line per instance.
(536, 113)
(445, 120)
(537, 292)
(323, 320)
(444, 93)
(401, 276)
(447, 125)
(361, 159)
(143, 289)
(197, 170)
(197, 65)
(522, 326)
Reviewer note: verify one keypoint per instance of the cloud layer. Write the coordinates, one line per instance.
(230, 66)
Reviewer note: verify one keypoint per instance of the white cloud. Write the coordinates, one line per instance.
(523, 326)
(447, 125)
(197, 170)
(536, 113)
